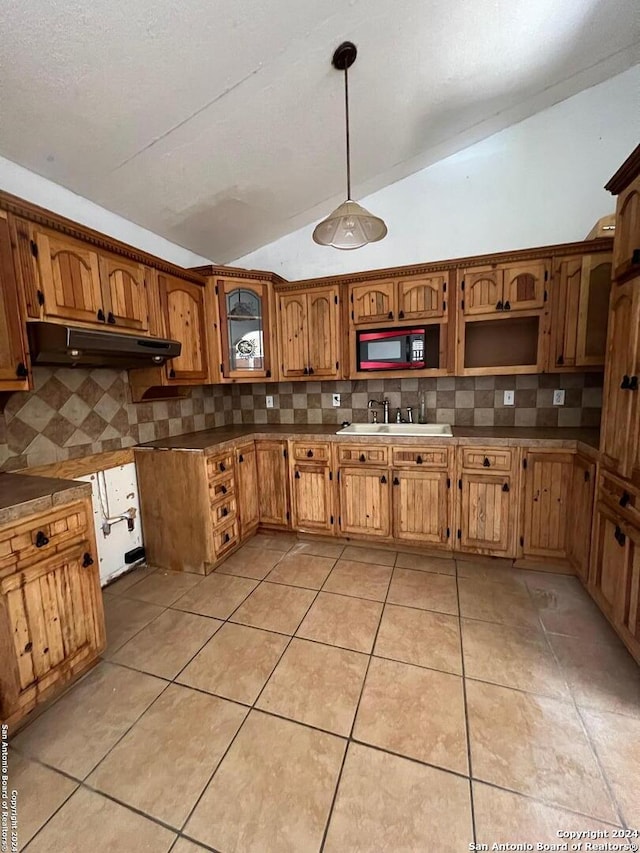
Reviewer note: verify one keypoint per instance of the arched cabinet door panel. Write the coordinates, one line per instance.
(125, 293)
(69, 278)
(373, 302)
(294, 336)
(626, 246)
(482, 290)
(524, 284)
(245, 340)
(183, 309)
(422, 297)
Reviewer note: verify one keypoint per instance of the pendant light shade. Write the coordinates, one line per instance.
(350, 226)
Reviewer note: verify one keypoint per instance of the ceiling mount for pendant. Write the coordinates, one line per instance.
(350, 226)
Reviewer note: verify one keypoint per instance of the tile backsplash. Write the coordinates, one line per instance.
(459, 400)
(73, 413)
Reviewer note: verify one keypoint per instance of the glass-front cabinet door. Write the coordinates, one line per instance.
(244, 329)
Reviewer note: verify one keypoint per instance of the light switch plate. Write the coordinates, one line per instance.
(269, 401)
(558, 397)
(509, 398)
(336, 399)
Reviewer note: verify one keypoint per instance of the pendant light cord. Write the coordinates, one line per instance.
(346, 116)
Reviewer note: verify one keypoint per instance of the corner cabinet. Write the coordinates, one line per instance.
(309, 333)
(14, 364)
(182, 304)
(245, 331)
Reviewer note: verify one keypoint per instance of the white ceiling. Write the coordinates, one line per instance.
(218, 124)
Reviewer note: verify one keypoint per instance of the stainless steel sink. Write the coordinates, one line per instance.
(397, 429)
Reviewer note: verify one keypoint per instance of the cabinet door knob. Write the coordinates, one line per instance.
(363, 458)
(222, 466)
(507, 306)
(499, 305)
(505, 488)
(390, 315)
(87, 560)
(226, 537)
(268, 374)
(41, 539)
(311, 371)
(587, 476)
(486, 463)
(241, 458)
(624, 500)
(626, 383)
(309, 453)
(633, 383)
(560, 359)
(396, 481)
(383, 479)
(401, 315)
(225, 511)
(224, 490)
(297, 475)
(172, 374)
(100, 315)
(21, 371)
(111, 319)
(306, 371)
(619, 536)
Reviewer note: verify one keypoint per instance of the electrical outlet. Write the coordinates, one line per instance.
(269, 401)
(336, 399)
(558, 397)
(509, 398)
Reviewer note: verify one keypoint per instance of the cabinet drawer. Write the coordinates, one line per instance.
(42, 535)
(427, 457)
(223, 511)
(219, 465)
(302, 451)
(222, 487)
(372, 454)
(225, 538)
(487, 458)
(621, 496)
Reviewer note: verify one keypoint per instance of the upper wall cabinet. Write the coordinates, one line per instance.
(578, 307)
(412, 298)
(309, 333)
(245, 332)
(125, 292)
(183, 311)
(503, 287)
(626, 245)
(14, 367)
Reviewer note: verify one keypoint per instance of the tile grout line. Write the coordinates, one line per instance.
(350, 738)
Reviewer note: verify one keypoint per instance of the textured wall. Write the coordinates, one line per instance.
(74, 413)
(462, 401)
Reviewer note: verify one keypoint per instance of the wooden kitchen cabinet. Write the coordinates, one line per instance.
(14, 362)
(578, 308)
(309, 327)
(503, 287)
(248, 488)
(51, 615)
(422, 297)
(618, 437)
(245, 334)
(373, 302)
(182, 305)
(626, 242)
(365, 501)
(547, 490)
(312, 497)
(580, 517)
(125, 293)
(273, 479)
(421, 506)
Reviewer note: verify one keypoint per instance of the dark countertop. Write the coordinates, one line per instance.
(22, 496)
(212, 440)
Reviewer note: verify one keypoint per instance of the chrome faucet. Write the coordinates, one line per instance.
(385, 404)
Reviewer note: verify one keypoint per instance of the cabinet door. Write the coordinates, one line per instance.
(125, 293)
(608, 574)
(579, 529)
(292, 311)
(247, 486)
(69, 278)
(626, 242)
(14, 375)
(421, 506)
(523, 288)
(323, 332)
(546, 503)
(374, 302)
(311, 503)
(53, 624)
(365, 501)
(487, 515)
(183, 308)
(619, 397)
(273, 479)
(564, 305)
(595, 289)
(244, 328)
(423, 297)
(482, 290)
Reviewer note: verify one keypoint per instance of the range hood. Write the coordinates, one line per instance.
(53, 343)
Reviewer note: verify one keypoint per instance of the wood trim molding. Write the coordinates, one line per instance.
(583, 247)
(238, 272)
(629, 170)
(48, 219)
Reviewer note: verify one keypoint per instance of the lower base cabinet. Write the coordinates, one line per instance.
(548, 476)
(248, 491)
(487, 514)
(51, 615)
(273, 482)
(579, 517)
(421, 506)
(365, 502)
(312, 497)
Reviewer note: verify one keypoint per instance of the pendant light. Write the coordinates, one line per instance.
(350, 226)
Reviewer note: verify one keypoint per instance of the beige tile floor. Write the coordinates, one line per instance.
(307, 697)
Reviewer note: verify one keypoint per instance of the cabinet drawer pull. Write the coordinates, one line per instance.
(363, 458)
(309, 453)
(419, 460)
(297, 475)
(268, 374)
(223, 489)
(619, 536)
(560, 360)
(87, 560)
(486, 463)
(624, 500)
(41, 539)
(499, 305)
(306, 371)
(311, 371)
(222, 466)
(396, 481)
(505, 488)
(626, 383)
(241, 458)
(225, 511)
(172, 374)
(226, 537)
(383, 479)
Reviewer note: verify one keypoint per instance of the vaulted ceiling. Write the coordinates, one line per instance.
(219, 123)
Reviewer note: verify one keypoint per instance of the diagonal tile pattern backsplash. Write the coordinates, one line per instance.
(73, 413)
